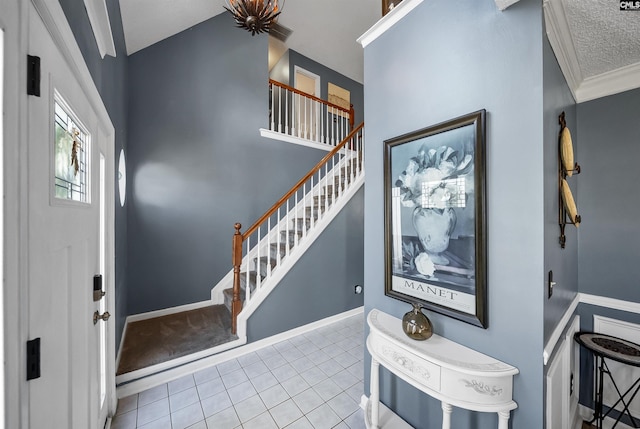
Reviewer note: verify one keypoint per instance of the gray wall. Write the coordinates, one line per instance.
(197, 162)
(110, 77)
(563, 262)
(443, 60)
(608, 131)
(609, 151)
(322, 282)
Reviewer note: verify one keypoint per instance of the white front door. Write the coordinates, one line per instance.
(69, 241)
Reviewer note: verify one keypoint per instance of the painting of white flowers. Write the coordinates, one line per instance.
(435, 224)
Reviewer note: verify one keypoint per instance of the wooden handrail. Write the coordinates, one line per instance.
(239, 238)
(297, 186)
(314, 98)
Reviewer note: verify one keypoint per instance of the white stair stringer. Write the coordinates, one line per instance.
(286, 263)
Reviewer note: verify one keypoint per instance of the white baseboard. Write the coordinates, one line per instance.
(139, 385)
(167, 311)
(387, 419)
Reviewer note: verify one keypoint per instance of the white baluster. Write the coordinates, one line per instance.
(258, 267)
(279, 109)
(269, 247)
(247, 271)
(320, 114)
(296, 211)
(272, 87)
(287, 226)
(286, 112)
(278, 239)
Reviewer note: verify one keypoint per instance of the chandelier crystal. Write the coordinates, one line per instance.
(256, 16)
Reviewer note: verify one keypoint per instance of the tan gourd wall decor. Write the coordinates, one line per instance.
(567, 210)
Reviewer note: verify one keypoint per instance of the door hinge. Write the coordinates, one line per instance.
(571, 385)
(33, 359)
(33, 75)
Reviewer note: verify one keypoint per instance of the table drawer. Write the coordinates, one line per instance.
(413, 366)
(474, 389)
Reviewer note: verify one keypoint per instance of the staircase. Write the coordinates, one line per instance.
(267, 250)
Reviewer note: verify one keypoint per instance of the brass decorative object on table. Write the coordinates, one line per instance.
(416, 325)
(567, 167)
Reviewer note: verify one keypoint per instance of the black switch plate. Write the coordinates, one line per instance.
(33, 359)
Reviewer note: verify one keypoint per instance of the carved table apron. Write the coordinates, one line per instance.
(443, 369)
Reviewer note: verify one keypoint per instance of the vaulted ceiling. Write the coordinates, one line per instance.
(596, 43)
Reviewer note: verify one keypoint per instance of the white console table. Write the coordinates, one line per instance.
(443, 369)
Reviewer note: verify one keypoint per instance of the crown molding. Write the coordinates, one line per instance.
(609, 83)
(99, 18)
(583, 89)
(562, 43)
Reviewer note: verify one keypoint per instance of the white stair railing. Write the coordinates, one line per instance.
(298, 114)
(258, 252)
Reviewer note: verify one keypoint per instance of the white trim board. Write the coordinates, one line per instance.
(583, 298)
(616, 304)
(274, 135)
(557, 333)
(99, 19)
(388, 21)
(154, 380)
(167, 311)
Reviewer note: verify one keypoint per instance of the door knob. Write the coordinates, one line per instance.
(96, 316)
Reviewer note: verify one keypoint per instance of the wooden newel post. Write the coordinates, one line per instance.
(236, 304)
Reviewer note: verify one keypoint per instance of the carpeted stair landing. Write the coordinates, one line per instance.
(161, 339)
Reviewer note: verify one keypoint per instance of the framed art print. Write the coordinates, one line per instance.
(435, 220)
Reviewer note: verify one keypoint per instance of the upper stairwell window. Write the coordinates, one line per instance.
(340, 97)
(71, 155)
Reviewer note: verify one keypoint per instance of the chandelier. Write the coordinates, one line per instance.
(256, 16)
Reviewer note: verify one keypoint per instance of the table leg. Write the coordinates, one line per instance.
(599, 393)
(446, 415)
(375, 392)
(503, 419)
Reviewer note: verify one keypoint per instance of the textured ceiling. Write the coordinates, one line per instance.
(604, 37)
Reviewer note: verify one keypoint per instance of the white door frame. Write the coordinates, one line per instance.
(13, 21)
(316, 79)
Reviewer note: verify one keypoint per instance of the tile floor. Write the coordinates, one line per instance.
(312, 381)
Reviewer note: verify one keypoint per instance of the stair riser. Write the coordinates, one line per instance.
(291, 235)
(313, 211)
